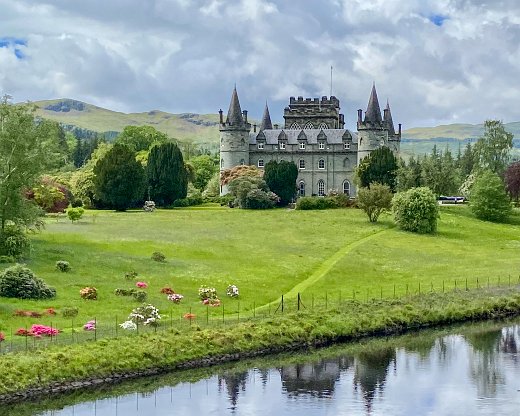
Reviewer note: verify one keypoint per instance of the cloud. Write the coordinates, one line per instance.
(438, 61)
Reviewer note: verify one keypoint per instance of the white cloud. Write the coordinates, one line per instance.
(185, 56)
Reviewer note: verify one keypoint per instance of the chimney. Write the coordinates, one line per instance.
(276, 126)
(385, 114)
(359, 116)
(254, 128)
(399, 130)
(244, 113)
(221, 118)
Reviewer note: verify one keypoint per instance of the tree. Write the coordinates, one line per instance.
(467, 161)
(229, 175)
(492, 150)
(375, 200)
(280, 177)
(24, 155)
(439, 173)
(166, 173)
(252, 192)
(488, 198)
(205, 167)
(408, 174)
(119, 178)
(380, 166)
(512, 180)
(416, 210)
(139, 138)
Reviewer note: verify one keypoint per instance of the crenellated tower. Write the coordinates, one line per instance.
(375, 131)
(234, 137)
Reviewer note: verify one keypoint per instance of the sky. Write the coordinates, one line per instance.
(436, 61)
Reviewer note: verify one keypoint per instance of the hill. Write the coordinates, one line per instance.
(201, 129)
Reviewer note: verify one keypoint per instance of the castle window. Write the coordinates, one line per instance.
(260, 145)
(242, 162)
(295, 126)
(301, 188)
(321, 187)
(321, 145)
(346, 146)
(260, 163)
(302, 164)
(221, 163)
(346, 187)
(309, 126)
(321, 164)
(281, 145)
(323, 126)
(302, 146)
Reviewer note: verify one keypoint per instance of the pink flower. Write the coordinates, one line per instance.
(2, 336)
(141, 285)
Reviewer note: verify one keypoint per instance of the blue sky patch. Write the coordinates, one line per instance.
(437, 19)
(15, 43)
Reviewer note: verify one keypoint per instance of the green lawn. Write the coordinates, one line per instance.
(265, 253)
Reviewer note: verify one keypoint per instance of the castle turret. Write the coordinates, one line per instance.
(374, 131)
(394, 139)
(266, 120)
(234, 137)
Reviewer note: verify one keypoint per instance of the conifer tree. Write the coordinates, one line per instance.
(380, 166)
(166, 174)
(281, 179)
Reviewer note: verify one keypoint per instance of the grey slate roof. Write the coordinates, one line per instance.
(266, 120)
(388, 119)
(332, 136)
(234, 116)
(373, 114)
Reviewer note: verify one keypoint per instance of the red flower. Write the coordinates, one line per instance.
(2, 336)
(167, 291)
(189, 316)
(50, 311)
(23, 332)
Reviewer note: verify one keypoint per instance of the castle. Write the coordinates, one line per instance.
(313, 137)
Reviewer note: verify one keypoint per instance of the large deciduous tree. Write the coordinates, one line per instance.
(204, 168)
(492, 150)
(118, 178)
(139, 138)
(280, 177)
(380, 166)
(166, 173)
(27, 148)
(488, 198)
(512, 180)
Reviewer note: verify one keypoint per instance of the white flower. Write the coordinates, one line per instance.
(129, 325)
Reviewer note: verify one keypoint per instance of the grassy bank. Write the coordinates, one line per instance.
(171, 349)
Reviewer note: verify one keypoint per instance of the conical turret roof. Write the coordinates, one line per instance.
(388, 119)
(234, 116)
(373, 114)
(266, 120)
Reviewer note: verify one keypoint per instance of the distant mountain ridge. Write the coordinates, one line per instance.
(202, 129)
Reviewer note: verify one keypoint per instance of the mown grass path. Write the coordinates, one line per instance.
(324, 268)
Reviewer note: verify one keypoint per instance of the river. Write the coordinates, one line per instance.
(466, 370)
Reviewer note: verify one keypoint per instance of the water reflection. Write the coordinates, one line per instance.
(471, 371)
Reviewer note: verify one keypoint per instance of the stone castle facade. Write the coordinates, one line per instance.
(313, 137)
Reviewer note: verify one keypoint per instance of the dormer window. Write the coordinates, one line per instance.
(321, 145)
(346, 145)
(302, 145)
(260, 145)
(281, 145)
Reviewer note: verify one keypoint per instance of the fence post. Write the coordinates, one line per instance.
(282, 303)
(190, 317)
(353, 294)
(326, 300)
(477, 284)
(509, 280)
(312, 300)
(223, 318)
(254, 309)
(407, 289)
(238, 313)
(207, 314)
(95, 329)
(116, 326)
(442, 285)
(367, 294)
(381, 287)
(298, 301)
(466, 284)
(419, 288)
(394, 290)
(488, 281)
(26, 338)
(72, 329)
(339, 298)
(455, 284)
(432, 287)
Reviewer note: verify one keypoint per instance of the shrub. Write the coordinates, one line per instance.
(89, 293)
(206, 292)
(75, 214)
(241, 187)
(375, 200)
(7, 259)
(124, 292)
(158, 256)
(488, 198)
(140, 295)
(21, 283)
(2, 337)
(175, 297)
(14, 242)
(130, 275)
(258, 199)
(76, 203)
(416, 210)
(144, 315)
(232, 291)
(63, 266)
(167, 291)
(70, 312)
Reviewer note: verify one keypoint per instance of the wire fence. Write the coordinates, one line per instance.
(229, 314)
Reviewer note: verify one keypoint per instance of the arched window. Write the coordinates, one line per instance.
(295, 126)
(323, 126)
(221, 163)
(301, 188)
(321, 187)
(301, 164)
(321, 164)
(346, 187)
(309, 126)
(260, 163)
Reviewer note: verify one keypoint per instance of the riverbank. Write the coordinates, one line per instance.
(61, 369)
